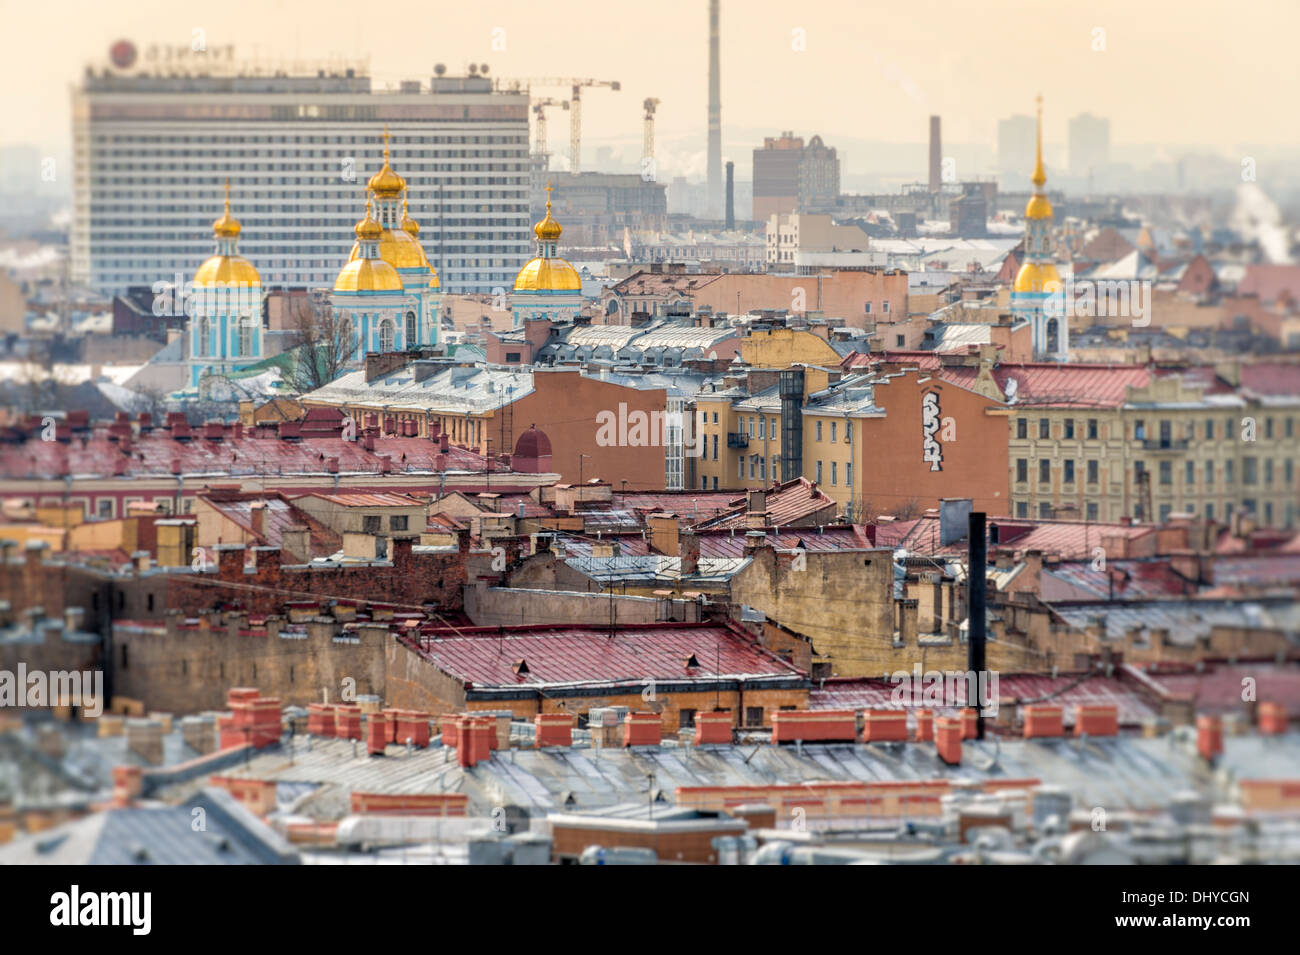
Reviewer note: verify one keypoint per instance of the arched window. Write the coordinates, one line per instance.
(245, 343)
(386, 335)
(203, 342)
(1052, 333)
(412, 336)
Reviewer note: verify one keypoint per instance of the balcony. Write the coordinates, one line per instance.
(1164, 444)
(737, 439)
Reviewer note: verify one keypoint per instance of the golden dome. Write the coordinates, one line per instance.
(1037, 277)
(227, 227)
(409, 224)
(548, 230)
(386, 184)
(367, 228)
(548, 275)
(398, 248)
(368, 275)
(227, 270)
(1038, 208)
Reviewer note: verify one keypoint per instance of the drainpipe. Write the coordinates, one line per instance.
(975, 602)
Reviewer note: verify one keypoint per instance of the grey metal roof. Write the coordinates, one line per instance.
(456, 389)
(157, 835)
(1184, 620)
(1119, 773)
(655, 567)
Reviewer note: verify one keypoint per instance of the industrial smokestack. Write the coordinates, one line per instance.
(715, 113)
(936, 156)
(731, 195)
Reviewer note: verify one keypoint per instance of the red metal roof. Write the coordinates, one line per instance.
(374, 499)
(1270, 281)
(685, 504)
(1074, 385)
(1121, 580)
(278, 515)
(1070, 540)
(1271, 378)
(487, 656)
(1068, 691)
(785, 504)
(1218, 689)
(1038, 384)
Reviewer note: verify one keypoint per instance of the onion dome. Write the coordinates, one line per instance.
(227, 268)
(386, 184)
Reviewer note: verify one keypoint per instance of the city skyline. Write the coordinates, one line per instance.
(777, 69)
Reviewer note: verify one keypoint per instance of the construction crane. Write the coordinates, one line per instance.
(576, 85)
(541, 146)
(648, 133)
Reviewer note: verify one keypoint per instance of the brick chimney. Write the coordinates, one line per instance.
(756, 509)
(642, 729)
(947, 739)
(257, 517)
(665, 534)
(689, 552)
(924, 726)
(379, 364)
(295, 543)
(713, 728)
(1209, 737)
(128, 784)
(554, 729)
(145, 739)
(1043, 720)
(378, 731)
(1271, 718)
(1096, 720)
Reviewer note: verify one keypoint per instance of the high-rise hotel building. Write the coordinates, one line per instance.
(152, 154)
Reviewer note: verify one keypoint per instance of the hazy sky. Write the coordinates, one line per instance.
(1219, 74)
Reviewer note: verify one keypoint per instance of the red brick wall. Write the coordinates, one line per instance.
(974, 465)
(565, 406)
(413, 579)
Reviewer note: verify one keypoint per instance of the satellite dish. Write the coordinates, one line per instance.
(1012, 387)
(440, 69)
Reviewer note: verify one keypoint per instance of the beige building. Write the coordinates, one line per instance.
(1168, 447)
(794, 233)
(379, 515)
(13, 307)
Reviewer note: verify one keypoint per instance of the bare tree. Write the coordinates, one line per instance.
(908, 510)
(322, 343)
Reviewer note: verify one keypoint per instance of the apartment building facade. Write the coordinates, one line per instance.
(1170, 446)
(152, 151)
